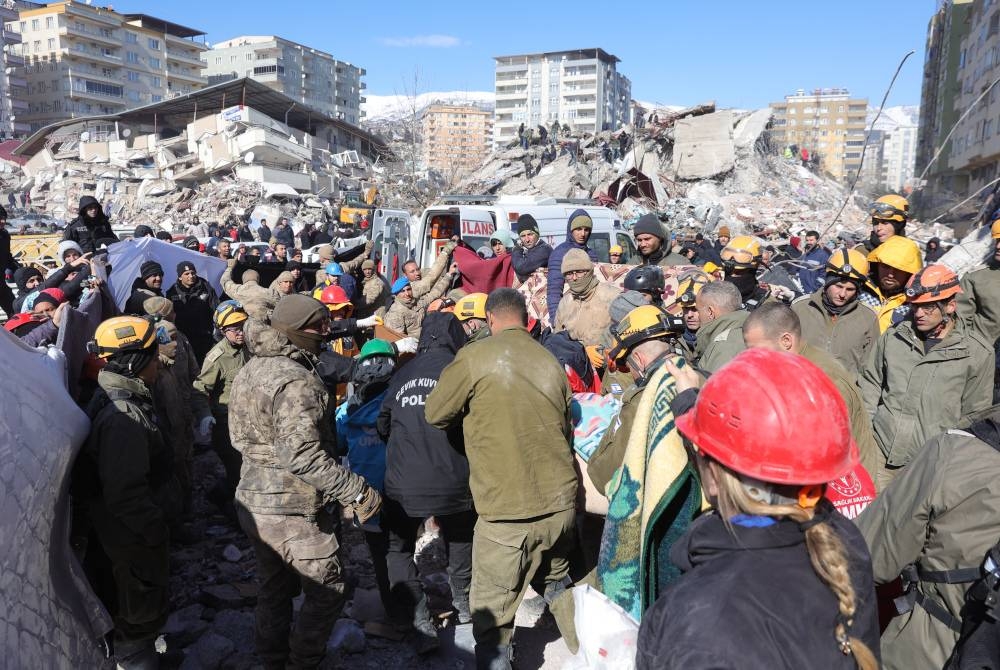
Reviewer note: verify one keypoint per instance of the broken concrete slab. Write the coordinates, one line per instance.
(703, 146)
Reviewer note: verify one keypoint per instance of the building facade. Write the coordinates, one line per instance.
(581, 88)
(827, 122)
(456, 139)
(313, 77)
(899, 152)
(77, 60)
(13, 87)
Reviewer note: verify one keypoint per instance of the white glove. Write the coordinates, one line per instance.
(407, 345)
(368, 322)
(205, 425)
(782, 292)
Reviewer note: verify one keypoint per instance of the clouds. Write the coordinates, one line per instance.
(429, 41)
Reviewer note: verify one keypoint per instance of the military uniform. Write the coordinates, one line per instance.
(848, 336)
(280, 421)
(719, 341)
(406, 319)
(214, 385)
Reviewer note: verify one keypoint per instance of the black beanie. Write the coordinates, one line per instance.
(142, 230)
(650, 225)
(184, 266)
(527, 222)
(150, 268)
(164, 235)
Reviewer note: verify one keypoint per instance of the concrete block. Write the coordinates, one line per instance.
(703, 146)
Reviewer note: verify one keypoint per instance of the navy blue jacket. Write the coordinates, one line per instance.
(526, 261)
(813, 279)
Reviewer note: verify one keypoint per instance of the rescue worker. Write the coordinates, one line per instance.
(889, 216)
(740, 260)
(281, 422)
(766, 432)
(833, 318)
(243, 285)
(91, 228)
(615, 254)
(648, 280)
(512, 401)
(578, 229)
(925, 375)
(653, 243)
(895, 261)
(215, 384)
(419, 284)
(934, 524)
(149, 284)
(194, 304)
(471, 313)
(532, 254)
(124, 480)
(979, 301)
(688, 288)
(720, 335)
(374, 294)
(776, 327)
(584, 310)
(407, 311)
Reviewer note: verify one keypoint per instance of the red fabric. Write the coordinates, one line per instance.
(482, 275)
(851, 493)
(577, 385)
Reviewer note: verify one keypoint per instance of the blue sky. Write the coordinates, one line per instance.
(742, 53)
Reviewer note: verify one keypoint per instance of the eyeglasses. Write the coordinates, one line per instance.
(573, 274)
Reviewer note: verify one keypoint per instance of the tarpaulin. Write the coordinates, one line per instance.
(482, 275)
(127, 257)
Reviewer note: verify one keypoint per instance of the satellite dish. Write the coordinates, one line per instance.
(248, 158)
(85, 136)
(127, 132)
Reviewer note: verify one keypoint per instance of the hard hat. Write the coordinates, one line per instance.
(377, 347)
(898, 252)
(775, 417)
(890, 208)
(333, 269)
(933, 283)
(229, 313)
(22, 319)
(710, 268)
(399, 285)
(995, 230)
(334, 297)
(689, 286)
(645, 279)
(742, 253)
(123, 333)
(643, 323)
(472, 306)
(616, 249)
(849, 264)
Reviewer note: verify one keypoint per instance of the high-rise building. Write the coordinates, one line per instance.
(582, 88)
(899, 151)
(826, 122)
(313, 77)
(82, 60)
(13, 87)
(456, 138)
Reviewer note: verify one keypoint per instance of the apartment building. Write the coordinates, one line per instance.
(313, 77)
(456, 139)
(13, 88)
(82, 60)
(899, 153)
(581, 88)
(827, 122)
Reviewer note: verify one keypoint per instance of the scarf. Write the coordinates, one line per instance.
(583, 286)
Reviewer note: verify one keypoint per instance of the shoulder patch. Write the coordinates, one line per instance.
(213, 355)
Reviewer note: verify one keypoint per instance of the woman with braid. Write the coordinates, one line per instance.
(773, 576)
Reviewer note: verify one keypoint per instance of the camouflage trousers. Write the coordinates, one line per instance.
(294, 554)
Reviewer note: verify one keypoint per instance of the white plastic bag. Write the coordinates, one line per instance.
(606, 632)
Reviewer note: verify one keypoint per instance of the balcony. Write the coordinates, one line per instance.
(191, 76)
(87, 54)
(17, 82)
(11, 37)
(97, 15)
(19, 105)
(14, 59)
(109, 38)
(187, 57)
(96, 95)
(186, 42)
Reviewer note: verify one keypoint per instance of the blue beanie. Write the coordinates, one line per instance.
(399, 285)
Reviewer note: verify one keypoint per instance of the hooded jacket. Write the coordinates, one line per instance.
(554, 279)
(195, 308)
(426, 468)
(281, 421)
(525, 261)
(90, 233)
(587, 316)
(933, 255)
(140, 294)
(848, 336)
(358, 438)
(757, 585)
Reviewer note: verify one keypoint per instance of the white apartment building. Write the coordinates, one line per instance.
(899, 154)
(313, 77)
(13, 88)
(82, 60)
(582, 88)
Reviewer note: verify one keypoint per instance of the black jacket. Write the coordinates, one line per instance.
(7, 261)
(526, 261)
(749, 598)
(286, 236)
(194, 308)
(426, 470)
(90, 233)
(140, 294)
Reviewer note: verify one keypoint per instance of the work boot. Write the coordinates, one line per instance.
(137, 656)
(499, 657)
(462, 613)
(424, 636)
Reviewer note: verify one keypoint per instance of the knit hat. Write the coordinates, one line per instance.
(576, 259)
(503, 236)
(526, 222)
(150, 269)
(191, 242)
(157, 306)
(68, 245)
(368, 265)
(295, 312)
(326, 254)
(53, 296)
(142, 230)
(251, 275)
(184, 266)
(724, 232)
(580, 219)
(399, 285)
(648, 224)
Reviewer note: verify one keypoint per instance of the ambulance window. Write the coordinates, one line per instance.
(601, 244)
(442, 226)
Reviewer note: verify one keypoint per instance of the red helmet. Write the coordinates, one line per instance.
(335, 297)
(773, 416)
(18, 320)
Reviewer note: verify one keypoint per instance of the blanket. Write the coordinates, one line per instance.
(652, 500)
(482, 275)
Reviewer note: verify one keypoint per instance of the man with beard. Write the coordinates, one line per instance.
(194, 303)
(533, 254)
(653, 243)
(149, 284)
(815, 257)
(896, 260)
(91, 227)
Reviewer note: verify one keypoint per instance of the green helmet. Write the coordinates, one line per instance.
(377, 348)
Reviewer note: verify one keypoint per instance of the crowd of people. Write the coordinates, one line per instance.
(744, 466)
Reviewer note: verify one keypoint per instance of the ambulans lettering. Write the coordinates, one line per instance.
(478, 228)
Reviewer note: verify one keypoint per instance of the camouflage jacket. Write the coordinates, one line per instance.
(406, 319)
(374, 296)
(215, 382)
(280, 419)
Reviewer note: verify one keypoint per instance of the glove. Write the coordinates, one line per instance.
(783, 293)
(205, 425)
(369, 322)
(407, 345)
(595, 353)
(367, 504)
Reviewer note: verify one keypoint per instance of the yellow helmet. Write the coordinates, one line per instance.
(742, 253)
(890, 208)
(229, 313)
(689, 286)
(643, 323)
(472, 306)
(899, 252)
(995, 230)
(849, 264)
(123, 333)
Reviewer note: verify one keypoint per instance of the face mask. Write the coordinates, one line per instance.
(311, 342)
(582, 284)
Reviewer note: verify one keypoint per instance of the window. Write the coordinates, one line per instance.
(52, 43)
(24, 26)
(249, 56)
(131, 38)
(154, 63)
(155, 82)
(111, 90)
(157, 98)
(154, 44)
(218, 60)
(36, 24)
(132, 76)
(50, 22)
(131, 57)
(37, 45)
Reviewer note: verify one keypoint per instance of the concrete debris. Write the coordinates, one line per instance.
(703, 146)
(347, 636)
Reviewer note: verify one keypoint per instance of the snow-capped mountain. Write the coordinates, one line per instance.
(393, 107)
(894, 117)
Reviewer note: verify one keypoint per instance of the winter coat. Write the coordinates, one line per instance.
(525, 261)
(214, 382)
(554, 279)
(263, 233)
(933, 255)
(587, 316)
(430, 278)
(979, 301)
(940, 512)
(373, 297)
(750, 598)
(7, 261)
(511, 398)
(174, 417)
(358, 438)
(849, 336)
(719, 341)
(281, 421)
(912, 396)
(664, 257)
(90, 233)
(285, 235)
(195, 308)
(406, 319)
(426, 468)
(812, 279)
(140, 294)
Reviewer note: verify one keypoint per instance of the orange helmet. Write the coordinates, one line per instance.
(995, 230)
(932, 284)
(335, 298)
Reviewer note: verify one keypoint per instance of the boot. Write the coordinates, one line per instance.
(424, 637)
(494, 658)
(462, 613)
(137, 656)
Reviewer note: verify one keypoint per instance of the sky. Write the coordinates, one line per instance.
(739, 53)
